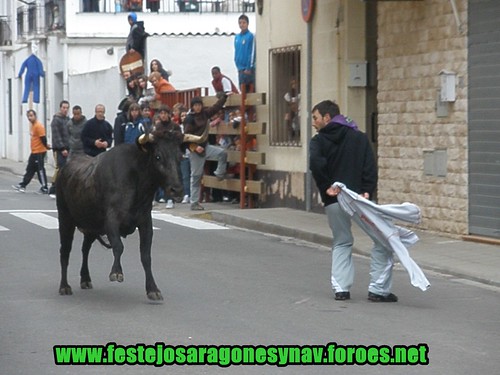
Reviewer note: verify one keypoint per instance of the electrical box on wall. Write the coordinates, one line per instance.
(448, 84)
(357, 74)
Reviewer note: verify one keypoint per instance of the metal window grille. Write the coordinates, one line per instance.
(284, 93)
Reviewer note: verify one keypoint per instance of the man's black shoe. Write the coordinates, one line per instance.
(379, 298)
(342, 296)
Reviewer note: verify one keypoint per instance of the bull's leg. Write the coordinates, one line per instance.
(85, 281)
(116, 273)
(146, 240)
(66, 233)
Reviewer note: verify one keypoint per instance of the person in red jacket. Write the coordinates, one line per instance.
(222, 83)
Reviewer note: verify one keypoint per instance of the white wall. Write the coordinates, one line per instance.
(192, 57)
(100, 87)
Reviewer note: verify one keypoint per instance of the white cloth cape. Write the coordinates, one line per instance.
(376, 221)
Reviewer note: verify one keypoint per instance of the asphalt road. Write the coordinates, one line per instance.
(222, 286)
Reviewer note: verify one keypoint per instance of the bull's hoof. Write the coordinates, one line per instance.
(65, 291)
(155, 296)
(86, 285)
(115, 276)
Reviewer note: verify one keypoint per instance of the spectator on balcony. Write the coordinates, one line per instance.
(133, 89)
(146, 93)
(188, 5)
(133, 5)
(244, 54)
(160, 84)
(248, 6)
(222, 83)
(156, 66)
(137, 36)
(91, 5)
(153, 5)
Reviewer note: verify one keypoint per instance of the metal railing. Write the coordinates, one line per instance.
(30, 20)
(168, 6)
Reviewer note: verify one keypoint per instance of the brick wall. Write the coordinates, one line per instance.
(417, 40)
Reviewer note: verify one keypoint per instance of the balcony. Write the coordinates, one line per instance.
(191, 18)
(35, 20)
(5, 32)
(168, 6)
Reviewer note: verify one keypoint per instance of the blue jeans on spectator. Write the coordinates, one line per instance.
(186, 175)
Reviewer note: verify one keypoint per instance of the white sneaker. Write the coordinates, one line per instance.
(19, 188)
(161, 200)
(185, 199)
(170, 204)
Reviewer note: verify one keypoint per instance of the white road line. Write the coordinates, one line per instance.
(45, 221)
(39, 218)
(190, 223)
(11, 211)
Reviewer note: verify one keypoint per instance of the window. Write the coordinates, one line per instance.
(20, 23)
(32, 24)
(284, 88)
(5, 35)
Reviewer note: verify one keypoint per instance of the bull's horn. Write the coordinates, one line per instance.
(145, 138)
(197, 138)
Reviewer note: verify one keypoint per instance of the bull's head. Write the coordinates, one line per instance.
(163, 149)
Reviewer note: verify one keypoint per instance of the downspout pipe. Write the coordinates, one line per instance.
(309, 54)
(65, 72)
(460, 26)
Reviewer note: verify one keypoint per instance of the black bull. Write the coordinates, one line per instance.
(112, 195)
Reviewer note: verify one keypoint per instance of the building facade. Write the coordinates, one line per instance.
(419, 77)
(80, 44)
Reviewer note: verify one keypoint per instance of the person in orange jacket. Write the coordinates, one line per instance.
(160, 84)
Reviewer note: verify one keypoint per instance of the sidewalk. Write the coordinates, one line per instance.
(469, 260)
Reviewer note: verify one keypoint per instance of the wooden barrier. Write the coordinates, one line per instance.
(181, 96)
(248, 160)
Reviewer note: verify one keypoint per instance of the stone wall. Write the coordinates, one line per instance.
(416, 41)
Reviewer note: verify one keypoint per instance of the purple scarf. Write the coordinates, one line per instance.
(345, 121)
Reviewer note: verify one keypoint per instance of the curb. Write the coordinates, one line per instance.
(270, 228)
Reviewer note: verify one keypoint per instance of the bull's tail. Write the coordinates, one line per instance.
(101, 240)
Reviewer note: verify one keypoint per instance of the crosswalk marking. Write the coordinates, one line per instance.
(190, 223)
(43, 220)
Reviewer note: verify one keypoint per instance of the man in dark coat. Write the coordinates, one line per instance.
(342, 153)
(97, 134)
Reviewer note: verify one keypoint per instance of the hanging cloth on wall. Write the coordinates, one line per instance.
(34, 68)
